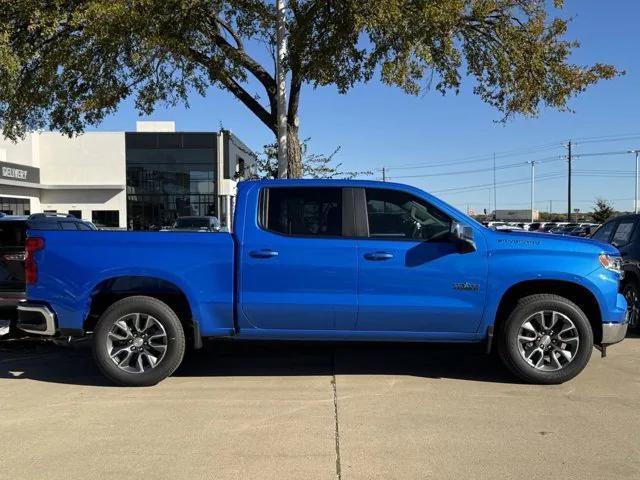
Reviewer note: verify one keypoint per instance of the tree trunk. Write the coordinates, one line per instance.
(294, 152)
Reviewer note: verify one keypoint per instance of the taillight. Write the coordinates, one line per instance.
(30, 269)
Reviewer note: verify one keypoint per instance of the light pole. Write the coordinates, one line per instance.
(281, 85)
(533, 180)
(635, 197)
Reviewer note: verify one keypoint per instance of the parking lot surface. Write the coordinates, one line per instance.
(312, 411)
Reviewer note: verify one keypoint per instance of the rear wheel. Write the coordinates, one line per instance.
(138, 341)
(631, 293)
(547, 339)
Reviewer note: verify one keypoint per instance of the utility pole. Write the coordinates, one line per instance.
(533, 181)
(384, 174)
(281, 84)
(550, 207)
(569, 158)
(635, 197)
(495, 203)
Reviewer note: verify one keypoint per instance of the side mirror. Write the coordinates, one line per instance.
(463, 234)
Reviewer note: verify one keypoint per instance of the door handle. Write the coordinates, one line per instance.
(378, 256)
(265, 253)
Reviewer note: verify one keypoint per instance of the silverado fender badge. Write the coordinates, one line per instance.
(474, 287)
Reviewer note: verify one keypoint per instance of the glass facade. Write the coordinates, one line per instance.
(169, 175)
(15, 206)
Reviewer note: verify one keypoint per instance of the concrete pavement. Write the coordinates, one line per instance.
(312, 411)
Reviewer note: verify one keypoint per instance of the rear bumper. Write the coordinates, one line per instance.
(36, 319)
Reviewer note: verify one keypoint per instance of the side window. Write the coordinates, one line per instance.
(394, 214)
(604, 232)
(622, 236)
(82, 226)
(303, 211)
(67, 226)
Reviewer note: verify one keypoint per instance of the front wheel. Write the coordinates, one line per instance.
(138, 341)
(547, 339)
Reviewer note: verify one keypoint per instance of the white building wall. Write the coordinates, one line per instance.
(96, 158)
(20, 152)
(62, 201)
(93, 166)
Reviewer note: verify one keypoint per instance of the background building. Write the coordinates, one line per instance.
(516, 215)
(141, 180)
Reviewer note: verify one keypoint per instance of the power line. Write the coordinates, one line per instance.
(479, 170)
(519, 181)
(472, 159)
(519, 151)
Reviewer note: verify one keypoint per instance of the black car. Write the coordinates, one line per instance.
(623, 232)
(13, 234)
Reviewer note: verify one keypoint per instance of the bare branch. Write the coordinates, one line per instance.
(235, 88)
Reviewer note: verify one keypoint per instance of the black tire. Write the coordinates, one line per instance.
(175, 341)
(508, 339)
(631, 293)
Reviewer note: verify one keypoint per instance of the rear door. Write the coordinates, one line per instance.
(411, 276)
(298, 268)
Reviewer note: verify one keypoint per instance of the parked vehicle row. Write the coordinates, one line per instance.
(327, 260)
(558, 228)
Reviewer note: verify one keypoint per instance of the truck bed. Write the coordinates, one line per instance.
(74, 264)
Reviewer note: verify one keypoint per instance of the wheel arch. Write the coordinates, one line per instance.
(112, 289)
(578, 294)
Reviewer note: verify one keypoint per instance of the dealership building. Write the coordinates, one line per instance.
(138, 180)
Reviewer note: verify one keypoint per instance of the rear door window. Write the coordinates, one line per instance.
(303, 211)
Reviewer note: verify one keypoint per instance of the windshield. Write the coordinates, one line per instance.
(192, 223)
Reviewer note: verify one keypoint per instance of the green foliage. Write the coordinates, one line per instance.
(552, 217)
(314, 165)
(602, 211)
(66, 64)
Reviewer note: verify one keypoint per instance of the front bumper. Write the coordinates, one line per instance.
(613, 332)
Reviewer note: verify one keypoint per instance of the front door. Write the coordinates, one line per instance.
(411, 276)
(298, 271)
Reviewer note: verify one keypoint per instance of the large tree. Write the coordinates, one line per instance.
(66, 64)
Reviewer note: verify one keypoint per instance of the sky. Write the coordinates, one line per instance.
(445, 145)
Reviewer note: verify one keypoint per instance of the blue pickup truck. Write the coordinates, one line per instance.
(327, 260)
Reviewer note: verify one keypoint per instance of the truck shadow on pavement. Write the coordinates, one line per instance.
(74, 365)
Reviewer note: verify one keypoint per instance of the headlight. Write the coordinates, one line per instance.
(611, 262)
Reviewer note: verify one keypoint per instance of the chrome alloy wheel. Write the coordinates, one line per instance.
(137, 342)
(548, 340)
